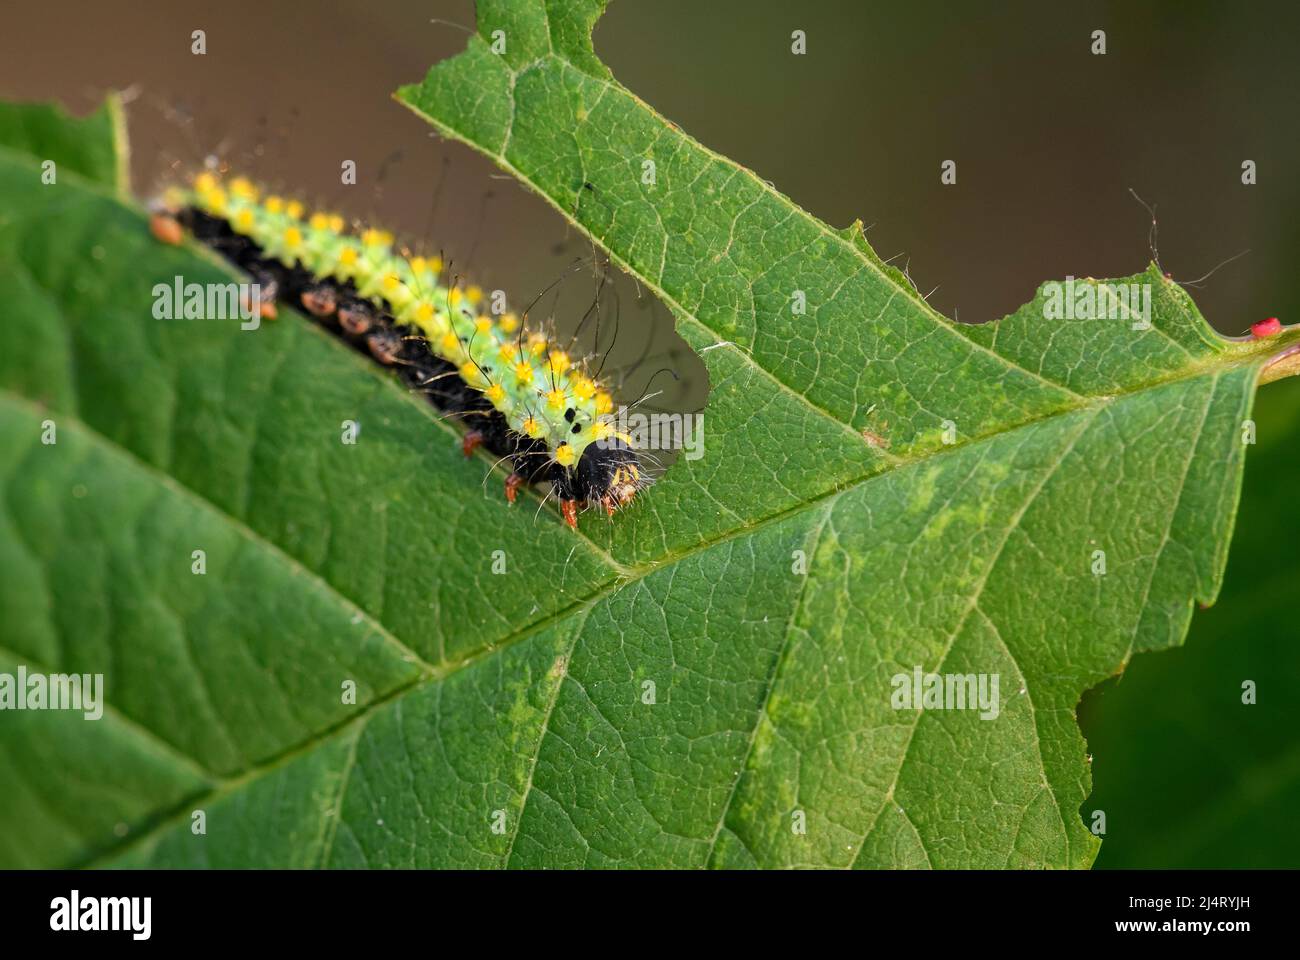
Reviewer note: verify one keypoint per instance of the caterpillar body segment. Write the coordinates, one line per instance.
(524, 399)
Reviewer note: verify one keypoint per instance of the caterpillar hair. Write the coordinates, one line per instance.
(536, 405)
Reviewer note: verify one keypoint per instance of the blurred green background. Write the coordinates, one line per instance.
(1048, 140)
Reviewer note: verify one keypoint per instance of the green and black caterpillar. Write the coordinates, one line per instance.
(531, 402)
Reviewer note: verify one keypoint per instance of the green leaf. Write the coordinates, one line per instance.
(93, 147)
(1233, 765)
(503, 721)
(1123, 440)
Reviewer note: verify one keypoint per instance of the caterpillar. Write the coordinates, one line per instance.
(533, 403)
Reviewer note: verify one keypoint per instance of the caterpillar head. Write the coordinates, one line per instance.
(609, 473)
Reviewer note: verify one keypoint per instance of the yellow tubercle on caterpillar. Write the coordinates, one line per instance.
(207, 182)
(472, 375)
(215, 200)
(424, 316)
(395, 290)
(243, 189)
(545, 392)
(532, 428)
(559, 362)
(565, 456)
(523, 372)
(285, 244)
(449, 346)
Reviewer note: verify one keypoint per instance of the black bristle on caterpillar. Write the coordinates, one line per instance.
(606, 470)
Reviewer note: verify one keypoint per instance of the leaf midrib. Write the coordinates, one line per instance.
(228, 785)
